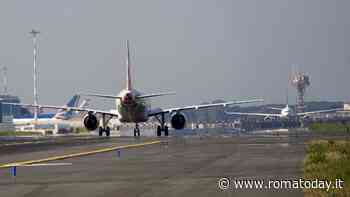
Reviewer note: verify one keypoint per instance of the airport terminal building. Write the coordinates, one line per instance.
(7, 112)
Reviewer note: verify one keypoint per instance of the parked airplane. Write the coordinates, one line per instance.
(70, 114)
(28, 119)
(51, 117)
(134, 107)
(286, 113)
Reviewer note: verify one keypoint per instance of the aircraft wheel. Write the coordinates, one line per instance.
(100, 131)
(108, 131)
(159, 131)
(166, 130)
(135, 132)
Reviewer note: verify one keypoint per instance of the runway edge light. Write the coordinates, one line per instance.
(14, 171)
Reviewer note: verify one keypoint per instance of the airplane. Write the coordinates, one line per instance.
(45, 117)
(133, 106)
(69, 114)
(285, 113)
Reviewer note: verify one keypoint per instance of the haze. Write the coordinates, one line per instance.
(203, 50)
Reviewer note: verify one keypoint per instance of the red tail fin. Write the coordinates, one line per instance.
(128, 77)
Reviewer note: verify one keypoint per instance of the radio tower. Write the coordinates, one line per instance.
(35, 33)
(300, 81)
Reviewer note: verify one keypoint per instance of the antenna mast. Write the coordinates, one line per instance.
(300, 81)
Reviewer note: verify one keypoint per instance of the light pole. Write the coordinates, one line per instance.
(4, 70)
(35, 33)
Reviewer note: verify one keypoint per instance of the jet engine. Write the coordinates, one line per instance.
(178, 121)
(90, 122)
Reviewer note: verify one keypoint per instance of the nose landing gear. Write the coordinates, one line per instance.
(136, 131)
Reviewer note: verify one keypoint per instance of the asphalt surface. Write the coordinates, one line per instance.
(178, 166)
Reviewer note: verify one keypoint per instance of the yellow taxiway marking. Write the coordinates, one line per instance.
(21, 163)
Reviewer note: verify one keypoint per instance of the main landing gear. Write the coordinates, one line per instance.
(136, 131)
(107, 130)
(104, 127)
(162, 126)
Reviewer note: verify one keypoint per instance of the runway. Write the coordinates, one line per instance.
(176, 166)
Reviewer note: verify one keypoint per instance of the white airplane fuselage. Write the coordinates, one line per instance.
(287, 112)
(28, 121)
(131, 109)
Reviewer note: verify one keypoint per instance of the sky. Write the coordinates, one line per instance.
(201, 49)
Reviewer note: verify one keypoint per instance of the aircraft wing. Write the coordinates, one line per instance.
(196, 107)
(252, 114)
(320, 111)
(275, 108)
(67, 108)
